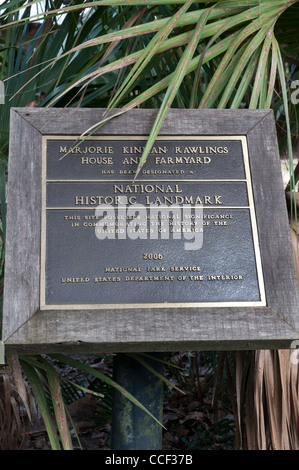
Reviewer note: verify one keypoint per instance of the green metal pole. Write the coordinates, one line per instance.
(132, 428)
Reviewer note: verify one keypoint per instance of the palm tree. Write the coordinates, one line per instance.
(162, 54)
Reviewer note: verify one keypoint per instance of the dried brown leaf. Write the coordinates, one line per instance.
(136, 18)
(20, 383)
(258, 398)
(273, 396)
(193, 416)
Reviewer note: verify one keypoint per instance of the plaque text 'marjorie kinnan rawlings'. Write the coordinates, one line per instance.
(182, 234)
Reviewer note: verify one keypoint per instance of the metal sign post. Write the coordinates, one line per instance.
(132, 428)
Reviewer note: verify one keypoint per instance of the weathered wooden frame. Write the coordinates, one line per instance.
(26, 329)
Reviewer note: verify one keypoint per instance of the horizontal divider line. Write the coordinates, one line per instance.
(123, 306)
(139, 137)
(147, 208)
(148, 181)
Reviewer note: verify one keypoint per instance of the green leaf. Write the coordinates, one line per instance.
(173, 88)
(89, 370)
(245, 81)
(40, 397)
(148, 53)
(3, 196)
(272, 78)
(216, 50)
(289, 134)
(153, 371)
(59, 406)
(261, 70)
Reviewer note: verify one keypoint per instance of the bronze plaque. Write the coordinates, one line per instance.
(183, 234)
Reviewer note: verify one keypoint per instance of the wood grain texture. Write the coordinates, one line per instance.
(22, 252)
(278, 260)
(153, 330)
(28, 330)
(139, 121)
